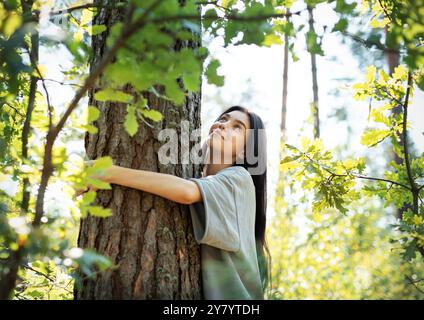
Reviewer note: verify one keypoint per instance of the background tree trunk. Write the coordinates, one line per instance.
(393, 58)
(149, 237)
(315, 109)
(285, 84)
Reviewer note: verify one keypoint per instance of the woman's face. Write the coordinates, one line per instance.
(227, 137)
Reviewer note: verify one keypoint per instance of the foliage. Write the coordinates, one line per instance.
(334, 256)
(341, 185)
(144, 53)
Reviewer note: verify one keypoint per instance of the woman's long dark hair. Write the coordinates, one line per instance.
(259, 180)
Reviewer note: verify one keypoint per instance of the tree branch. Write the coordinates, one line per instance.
(369, 44)
(359, 176)
(385, 11)
(26, 266)
(233, 17)
(413, 188)
(215, 3)
(414, 283)
(49, 106)
(12, 107)
(85, 6)
(63, 83)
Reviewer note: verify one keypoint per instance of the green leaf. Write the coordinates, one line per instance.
(91, 129)
(91, 259)
(93, 113)
(410, 251)
(184, 35)
(99, 184)
(88, 197)
(96, 29)
(212, 16)
(113, 95)
(120, 73)
(341, 25)
(98, 211)
(35, 294)
(343, 7)
(152, 114)
(102, 163)
(192, 82)
(173, 92)
(400, 73)
(11, 24)
(131, 123)
(211, 73)
(289, 159)
(372, 137)
(312, 43)
(232, 28)
(420, 82)
(271, 39)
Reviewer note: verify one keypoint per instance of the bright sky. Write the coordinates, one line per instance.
(254, 79)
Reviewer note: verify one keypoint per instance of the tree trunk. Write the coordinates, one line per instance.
(283, 125)
(393, 58)
(315, 109)
(285, 83)
(148, 237)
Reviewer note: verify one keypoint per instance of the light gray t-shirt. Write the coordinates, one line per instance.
(224, 226)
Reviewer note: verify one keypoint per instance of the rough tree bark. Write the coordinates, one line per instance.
(148, 237)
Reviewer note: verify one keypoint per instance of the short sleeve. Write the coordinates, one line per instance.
(215, 218)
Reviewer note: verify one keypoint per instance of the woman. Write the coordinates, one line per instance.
(227, 205)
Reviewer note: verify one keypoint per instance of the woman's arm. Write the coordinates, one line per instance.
(165, 185)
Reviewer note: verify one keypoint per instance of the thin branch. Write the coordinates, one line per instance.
(144, 120)
(380, 179)
(359, 176)
(34, 65)
(12, 107)
(385, 11)
(414, 283)
(215, 3)
(232, 17)
(413, 188)
(63, 83)
(369, 44)
(26, 266)
(405, 133)
(49, 105)
(400, 103)
(85, 6)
